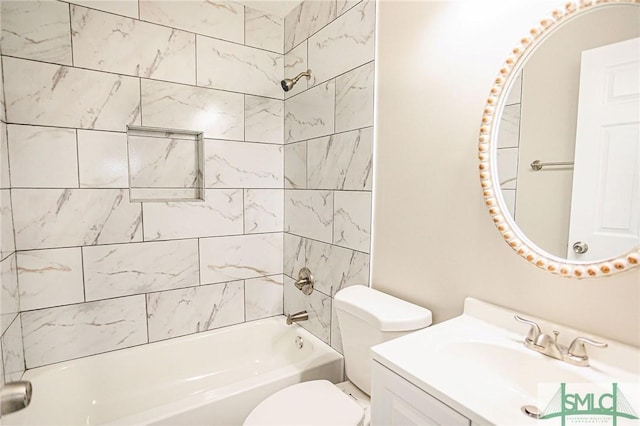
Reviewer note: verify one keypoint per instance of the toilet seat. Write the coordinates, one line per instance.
(317, 402)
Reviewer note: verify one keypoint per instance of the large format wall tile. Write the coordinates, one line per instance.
(66, 332)
(43, 157)
(263, 297)
(107, 42)
(336, 336)
(3, 117)
(317, 305)
(230, 66)
(36, 30)
(50, 278)
(352, 220)
(10, 297)
(509, 133)
(218, 114)
(163, 162)
(306, 19)
(38, 93)
(102, 159)
(221, 19)
(341, 161)
(238, 257)
(126, 269)
(346, 43)
(12, 352)
(120, 7)
(219, 214)
(263, 30)
(242, 165)
(264, 119)
(6, 224)
(263, 210)
(4, 153)
(344, 5)
(354, 99)
(294, 255)
(310, 114)
(295, 62)
(309, 213)
(47, 218)
(295, 165)
(191, 310)
(335, 268)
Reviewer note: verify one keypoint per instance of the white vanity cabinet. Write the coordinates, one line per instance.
(396, 401)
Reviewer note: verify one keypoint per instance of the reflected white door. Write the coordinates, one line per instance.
(605, 204)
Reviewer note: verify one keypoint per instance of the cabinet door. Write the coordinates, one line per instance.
(395, 401)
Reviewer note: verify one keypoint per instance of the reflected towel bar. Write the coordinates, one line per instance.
(538, 165)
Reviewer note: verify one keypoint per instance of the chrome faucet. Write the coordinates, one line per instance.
(297, 317)
(538, 341)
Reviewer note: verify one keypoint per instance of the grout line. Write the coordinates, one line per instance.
(84, 281)
(199, 263)
(145, 242)
(140, 77)
(78, 159)
(167, 26)
(71, 35)
(324, 242)
(146, 314)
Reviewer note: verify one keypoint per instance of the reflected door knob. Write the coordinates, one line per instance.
(580, 247)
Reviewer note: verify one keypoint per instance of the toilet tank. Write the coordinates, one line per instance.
(367, 317)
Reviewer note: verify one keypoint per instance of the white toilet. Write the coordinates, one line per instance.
(367, 317)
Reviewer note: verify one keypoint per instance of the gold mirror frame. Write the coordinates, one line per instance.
(488, 166)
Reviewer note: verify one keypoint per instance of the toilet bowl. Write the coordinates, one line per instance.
(366, 318)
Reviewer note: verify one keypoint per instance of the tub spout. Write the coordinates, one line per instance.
(297, 317)
(15, 396)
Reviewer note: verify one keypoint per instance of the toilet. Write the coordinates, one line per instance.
(366, 317)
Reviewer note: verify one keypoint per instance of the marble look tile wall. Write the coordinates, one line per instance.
(508, 145)
(11, 352)
(86, 270)
(328, 135)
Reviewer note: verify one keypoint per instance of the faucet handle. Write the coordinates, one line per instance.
(534, 331)
(577, 349)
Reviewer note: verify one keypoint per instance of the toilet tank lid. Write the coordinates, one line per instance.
(381, 310)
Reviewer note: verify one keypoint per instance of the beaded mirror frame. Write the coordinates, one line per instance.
(487, 155)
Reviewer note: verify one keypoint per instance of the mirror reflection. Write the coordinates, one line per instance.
(574, 112)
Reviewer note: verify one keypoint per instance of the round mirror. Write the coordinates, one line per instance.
(560, 141)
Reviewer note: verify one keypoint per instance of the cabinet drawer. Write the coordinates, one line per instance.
(396, 401)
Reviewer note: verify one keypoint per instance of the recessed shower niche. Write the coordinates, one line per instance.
(165, 164)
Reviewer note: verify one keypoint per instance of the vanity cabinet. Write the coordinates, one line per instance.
(396, 401)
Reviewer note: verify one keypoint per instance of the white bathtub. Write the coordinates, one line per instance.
(212, 378)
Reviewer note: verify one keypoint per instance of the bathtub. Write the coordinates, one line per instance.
(212, 378)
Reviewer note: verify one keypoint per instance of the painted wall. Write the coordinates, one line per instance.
(96, 272)
(548, 129)
(434, 242)
(328, 155)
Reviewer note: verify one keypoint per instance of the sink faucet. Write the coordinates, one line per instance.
(297, 317)
(538, 341)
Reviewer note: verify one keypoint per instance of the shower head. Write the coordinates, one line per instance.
(288, 83)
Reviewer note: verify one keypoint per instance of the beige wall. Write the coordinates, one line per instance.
(550, 84)
(433, 241)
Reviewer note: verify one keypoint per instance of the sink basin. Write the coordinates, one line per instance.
(477, 364)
